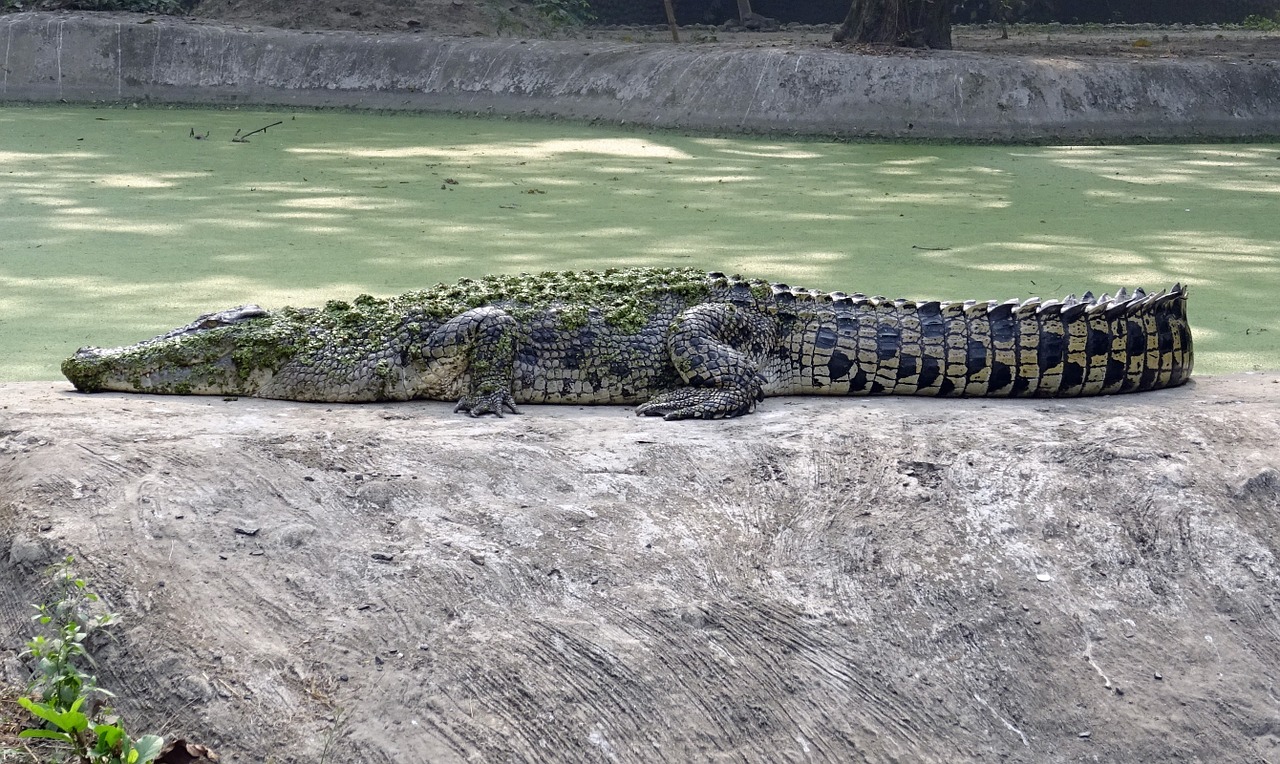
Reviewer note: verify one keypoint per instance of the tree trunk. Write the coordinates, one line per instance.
(744, 10)
(907, 23)
(671, 21)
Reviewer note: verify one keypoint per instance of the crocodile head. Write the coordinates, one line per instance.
(231, 352)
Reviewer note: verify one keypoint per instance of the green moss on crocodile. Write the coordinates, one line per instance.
(626, 291)
(574, 317)
(89, 375)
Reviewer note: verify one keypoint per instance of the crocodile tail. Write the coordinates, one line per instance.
(1077, 346)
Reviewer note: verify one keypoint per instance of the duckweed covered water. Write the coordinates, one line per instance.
(116, 224)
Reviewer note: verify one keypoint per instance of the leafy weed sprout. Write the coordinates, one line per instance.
(63, 694)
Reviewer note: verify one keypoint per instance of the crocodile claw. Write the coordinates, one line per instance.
(700, 403)
(488, 403)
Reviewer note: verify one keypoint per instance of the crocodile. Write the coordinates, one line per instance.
(676, 342)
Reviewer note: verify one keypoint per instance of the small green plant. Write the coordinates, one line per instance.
(331, 738)
(565, 12)
(63, 689)
(1261, 23)
(111, 745)
(68, 618)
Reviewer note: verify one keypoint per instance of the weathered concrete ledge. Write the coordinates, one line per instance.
(96, 58)
(885, 579)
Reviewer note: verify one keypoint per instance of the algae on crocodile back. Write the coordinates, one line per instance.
(625, 297)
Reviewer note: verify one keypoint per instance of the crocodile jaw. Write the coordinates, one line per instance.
(139, 369)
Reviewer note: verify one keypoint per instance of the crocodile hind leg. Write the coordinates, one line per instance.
(486, 339)
(718, 350)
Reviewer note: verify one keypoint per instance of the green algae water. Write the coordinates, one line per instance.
(117, 224)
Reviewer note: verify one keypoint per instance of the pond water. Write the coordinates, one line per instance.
(116, 224)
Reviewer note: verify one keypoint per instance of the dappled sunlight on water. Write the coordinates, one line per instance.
(1244, 169)
(631, 148)
(117, 225)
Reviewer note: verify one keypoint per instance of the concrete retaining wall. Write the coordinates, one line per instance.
(95, 58)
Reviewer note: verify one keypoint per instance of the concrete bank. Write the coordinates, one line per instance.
(872, 580)
(805, 91)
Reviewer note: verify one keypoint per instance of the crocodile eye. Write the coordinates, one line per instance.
(227, 317)
(221, 318)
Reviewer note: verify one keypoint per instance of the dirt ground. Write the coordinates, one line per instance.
(825, 580)
(468, 18)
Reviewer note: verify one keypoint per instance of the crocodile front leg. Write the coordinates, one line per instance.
(485, 339)
(718, 350)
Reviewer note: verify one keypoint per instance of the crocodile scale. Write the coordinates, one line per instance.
(679, 343)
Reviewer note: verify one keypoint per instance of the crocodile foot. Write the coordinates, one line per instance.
(700, 403)
(487, 403)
